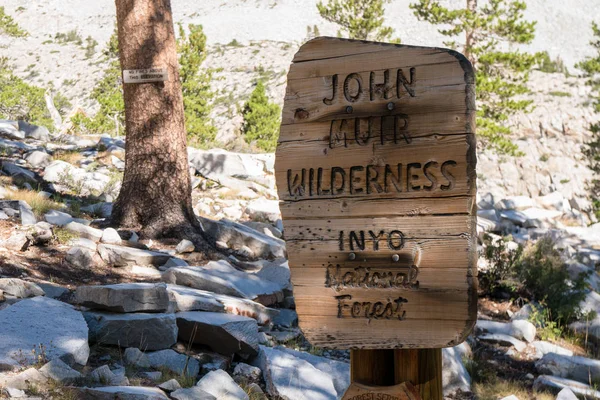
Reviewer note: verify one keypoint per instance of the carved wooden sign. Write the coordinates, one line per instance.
(375, 169)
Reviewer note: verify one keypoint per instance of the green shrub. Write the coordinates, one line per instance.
(548, 65)
(557, 93)
(108, 92)
(8, 26)
(261, 120)
(547, 328)
(358, 19)
(90, 47)
(70, 37)
(543, 273)
(21, 101)
(502, 262)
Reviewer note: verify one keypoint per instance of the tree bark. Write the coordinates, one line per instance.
(155, 197)
(471, 6)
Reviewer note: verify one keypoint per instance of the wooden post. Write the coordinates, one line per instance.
(421, 367)
(404, 374)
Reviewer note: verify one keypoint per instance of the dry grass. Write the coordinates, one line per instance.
(71, 156)
(501, 389)
(39, 204)
(186, 381)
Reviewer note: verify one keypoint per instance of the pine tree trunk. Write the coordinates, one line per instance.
(471, 6)
(155, 197)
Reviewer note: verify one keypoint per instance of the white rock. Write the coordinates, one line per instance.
(15, 393)
(262, 209)
(170, 385)
(142, 330)
(185, 246)
(277, 271)
(134, 356)
(579, 368)
(337, 371)
(19, 288)
(26, 379)
(223, 333)
(220, 277)
(554, 201)
(174, 262)
(59, 371)
(454, 374)
(36, 132)
(84, 231)
(292, 378)
(556, 384)
(175, 362)
(121, 256)
(123, 393)
(515, 203)
(58, 218)
(504, 340)
(105, 376)
(219, 384)
(110, 236)
(146, 272)
(247, 371)
(80, 257)
(543, 348)
(124, 297)
(566, 394)
(193, 393)
(520, 329)
(235, 236)
(38, 159)
(40, 320)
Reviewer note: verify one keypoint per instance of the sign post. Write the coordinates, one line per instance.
(375, 169)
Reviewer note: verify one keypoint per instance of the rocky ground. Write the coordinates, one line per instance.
(97, 313)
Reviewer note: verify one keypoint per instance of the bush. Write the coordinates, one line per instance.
(548, 65)
(69, 37)
(544, 275)
(358, 19)
(21, 101)
(261, 120)
(8, 25)
(502, 261)
(108, 92)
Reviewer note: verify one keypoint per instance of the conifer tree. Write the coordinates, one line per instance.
(108, 92)
(261, 120)
(489, 31)
(591, 69)
(358, 19)
(195, 84)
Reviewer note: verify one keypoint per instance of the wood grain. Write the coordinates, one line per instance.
(375, 170)
(443, 123)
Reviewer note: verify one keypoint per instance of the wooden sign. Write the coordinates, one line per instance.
(145, 75)
(375, 169)
(403, 391)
